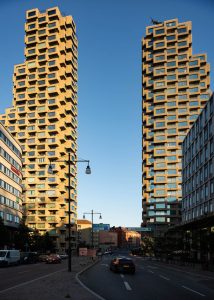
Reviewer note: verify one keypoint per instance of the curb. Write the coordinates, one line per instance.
(83, 285)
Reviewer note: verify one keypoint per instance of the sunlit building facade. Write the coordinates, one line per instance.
(43, 119)
(10, 179)
(175, 87)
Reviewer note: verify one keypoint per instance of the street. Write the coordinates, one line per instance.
(153, 280)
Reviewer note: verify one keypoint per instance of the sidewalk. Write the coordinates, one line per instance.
(57, 286)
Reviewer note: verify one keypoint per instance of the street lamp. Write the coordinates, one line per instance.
(87, 171)
(92, 213)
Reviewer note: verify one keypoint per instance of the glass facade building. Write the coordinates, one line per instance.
(198, 167)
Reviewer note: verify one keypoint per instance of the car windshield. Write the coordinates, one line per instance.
(3, 253)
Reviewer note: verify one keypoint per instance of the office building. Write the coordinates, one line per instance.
(175, 87)
(10, 179)
(43, 119)
(198, 167)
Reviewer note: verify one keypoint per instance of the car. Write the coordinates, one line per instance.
(122, 265)
(29, 258)
(53, 259)
(63, 256)
(42, 257)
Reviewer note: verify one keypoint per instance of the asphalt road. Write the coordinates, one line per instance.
(152, 280)
(23, 274)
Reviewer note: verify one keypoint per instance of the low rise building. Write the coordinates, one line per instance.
(10, 179)
(84, 232)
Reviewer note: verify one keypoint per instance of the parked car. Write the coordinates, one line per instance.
(29, 258)
(53, 259)
(123, 265)
(63, 256)
(9, 257)
(43, 257)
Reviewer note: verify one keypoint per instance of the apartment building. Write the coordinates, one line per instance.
(175, 85)
(43, 118)
(10, 179)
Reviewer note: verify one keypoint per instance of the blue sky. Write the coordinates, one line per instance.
(109, 108)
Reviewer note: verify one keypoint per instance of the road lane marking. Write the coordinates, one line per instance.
(30, 281)
(152, 267)
(127, 286)
(185, 287)
(104, 265)
(121, 275)
(164, 277)
(150, 271)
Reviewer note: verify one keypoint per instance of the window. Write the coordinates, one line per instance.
(51, 50)
(160, 57)
(52, 37)
(193, 63)
(182, 30)
(160, 97)
(31, 38)
(41, 45)
(171, 77)
(43, 31)
(31, 51)
(51, 63)
(171, 51)
(51, 25)
(159, 31)
(42, 19)
(183, 56)
(182, 44)
(51, 12)
(158, 45)
(159, 71)
(160, 83)
(41, 57)
(193, 76)
(21, 71)
(31, 13)
(171, 64)
(193, 103)
(171, 24)
(31, 26)
(170, 37)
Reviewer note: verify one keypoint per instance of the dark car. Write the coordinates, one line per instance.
(123, 265)
(29, 257)
(53, 259)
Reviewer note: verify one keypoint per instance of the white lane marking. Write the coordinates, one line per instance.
(185, 287)
(121, 275)
(30, 281)
(104, 265)
(127, 286)
(152, 267)
(150, 271)
(164, 277)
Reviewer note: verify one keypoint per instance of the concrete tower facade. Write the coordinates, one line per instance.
(175, 88)
(44, 120)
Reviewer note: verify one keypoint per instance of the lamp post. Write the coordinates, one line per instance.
(87, 171)
(92, 213)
